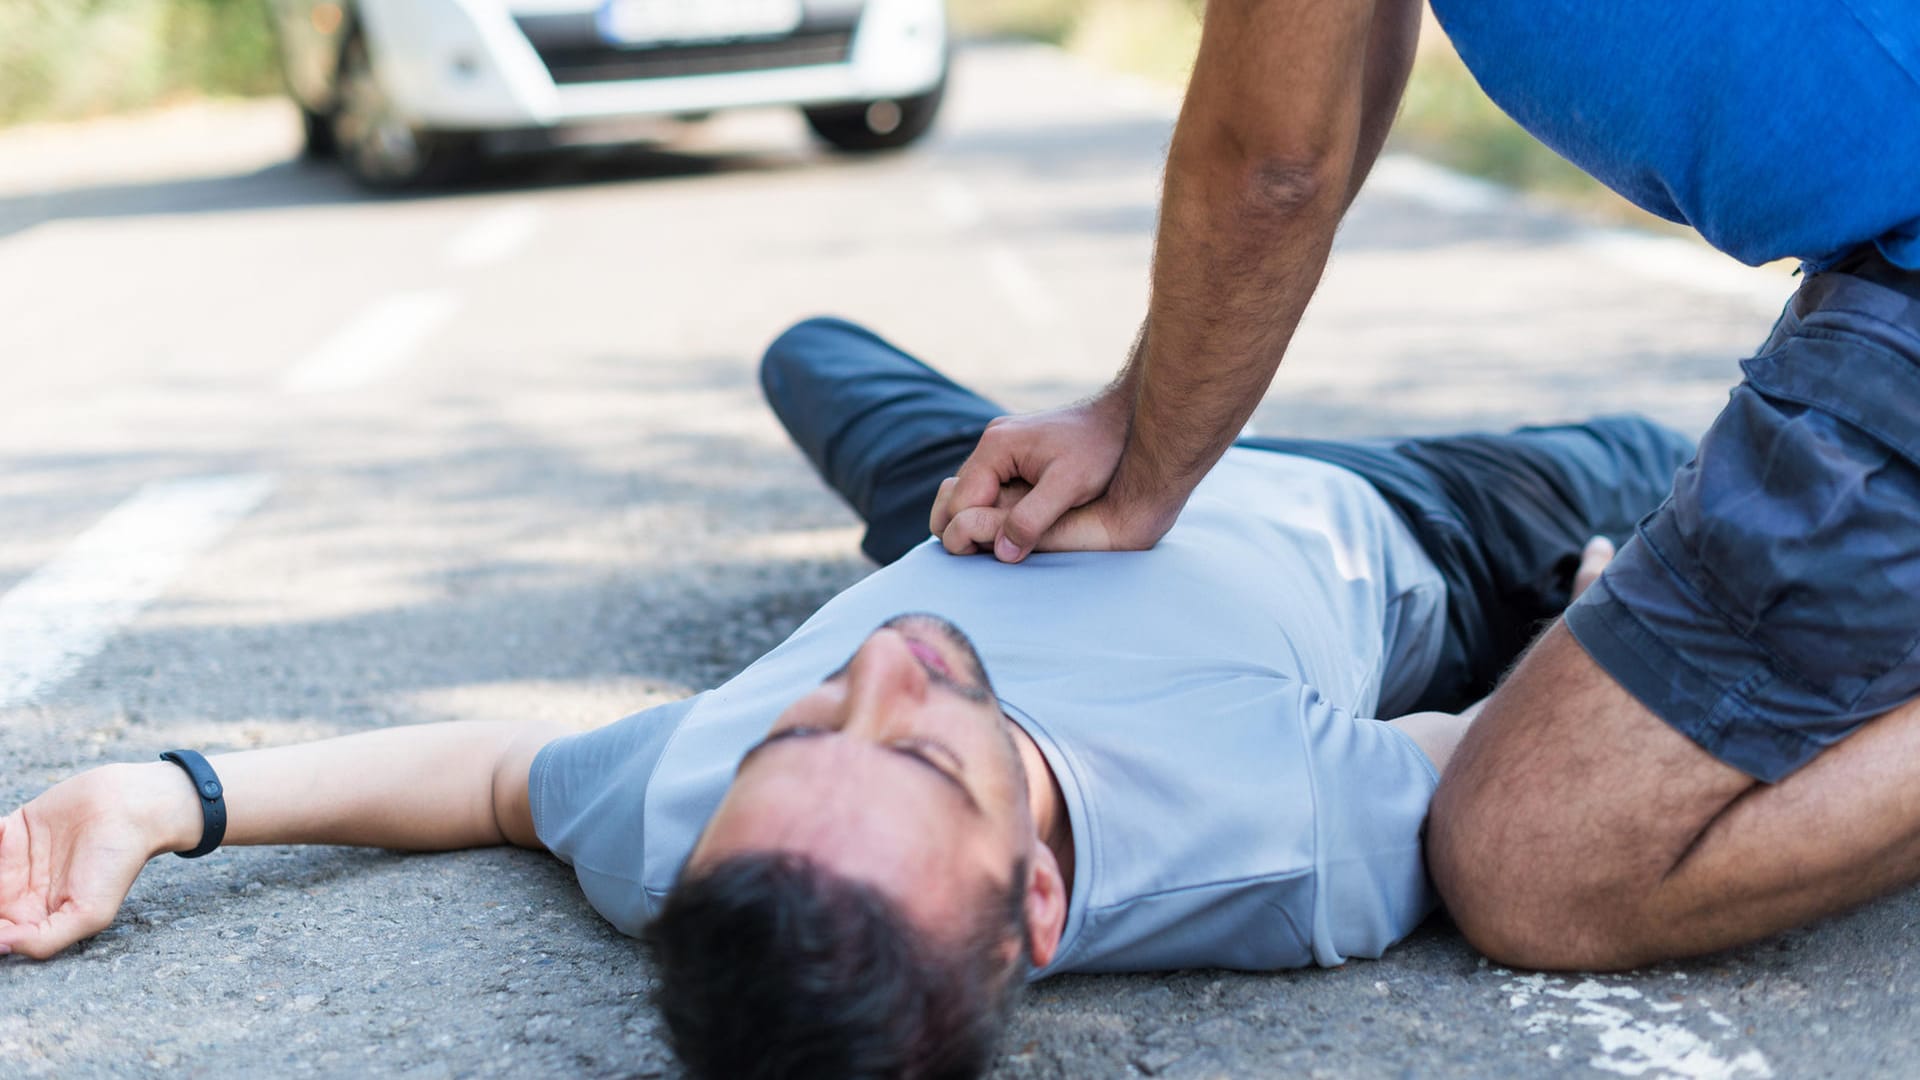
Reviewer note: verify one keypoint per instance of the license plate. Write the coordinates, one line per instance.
(652, 22)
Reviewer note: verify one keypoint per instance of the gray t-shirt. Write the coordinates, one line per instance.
(1204, 706)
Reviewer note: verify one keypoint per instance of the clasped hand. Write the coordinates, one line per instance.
(1049, 481)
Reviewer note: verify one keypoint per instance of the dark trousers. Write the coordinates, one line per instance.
(1503, 517)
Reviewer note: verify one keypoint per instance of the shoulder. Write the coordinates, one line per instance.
(573, 778)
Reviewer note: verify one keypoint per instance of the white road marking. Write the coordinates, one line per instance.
(956, 204)
(365, 349)
(58, 618)
(1629, 1045)
(1671, 260)
(1021, 285)
(495, 237)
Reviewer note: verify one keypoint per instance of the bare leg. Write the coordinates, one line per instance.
(1765, 607)
(1574, 829)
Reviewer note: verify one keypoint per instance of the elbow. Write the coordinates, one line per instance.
(509, 795)
(1284, 187)
(1266, 205)
(1245, 179)
(1274, 167)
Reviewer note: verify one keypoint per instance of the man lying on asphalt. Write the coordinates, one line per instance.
(845, 865)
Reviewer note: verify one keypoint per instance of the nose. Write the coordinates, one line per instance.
(882, 677)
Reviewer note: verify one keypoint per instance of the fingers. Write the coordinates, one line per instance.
(13, 855)
(978, 481)
(1030, 518)
(942, 513)
(976, 484)
(47, 938)
(1593, 562)
(972, 530)
(1017, 513)
(972, 486)
(1068, 454)
(64, 871)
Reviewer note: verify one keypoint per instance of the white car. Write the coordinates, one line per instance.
(404, 91)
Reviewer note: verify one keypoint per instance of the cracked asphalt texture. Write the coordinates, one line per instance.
(570, 503)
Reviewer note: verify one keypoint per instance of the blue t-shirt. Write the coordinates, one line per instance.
(1777, 128)
(1205, 706)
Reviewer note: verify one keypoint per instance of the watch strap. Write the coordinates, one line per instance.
(213, 800)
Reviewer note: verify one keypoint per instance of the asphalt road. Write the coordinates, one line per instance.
(279, 461)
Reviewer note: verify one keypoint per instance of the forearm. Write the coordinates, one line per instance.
(1391, 45)
(428, 787)
(1438, 734)
(1288, 107)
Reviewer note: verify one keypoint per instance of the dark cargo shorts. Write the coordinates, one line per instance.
(1772, 604)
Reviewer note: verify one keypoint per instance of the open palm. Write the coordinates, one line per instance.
(67, 860)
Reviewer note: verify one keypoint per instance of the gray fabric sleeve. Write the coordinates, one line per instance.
(1372, 786)
(588, 795)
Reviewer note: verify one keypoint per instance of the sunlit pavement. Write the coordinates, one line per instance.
(500, 453)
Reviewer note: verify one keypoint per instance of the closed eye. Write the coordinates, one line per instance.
(932, 751)
(928, 753)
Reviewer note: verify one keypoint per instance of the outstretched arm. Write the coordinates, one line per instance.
(1289, 104)
(1438, 734)
(68, 858)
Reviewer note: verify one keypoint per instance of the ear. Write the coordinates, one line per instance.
(1046, 904)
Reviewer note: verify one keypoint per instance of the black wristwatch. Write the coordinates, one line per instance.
(213, 800)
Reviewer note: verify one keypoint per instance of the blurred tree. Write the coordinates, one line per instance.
(65, 58)
(1445, 116)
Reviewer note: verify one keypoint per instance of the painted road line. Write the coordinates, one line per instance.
(1021, 285)
(52, 623)
(1619, 1029)
(1670, 260)
(956, 204)
(495, 237)
(373, 344)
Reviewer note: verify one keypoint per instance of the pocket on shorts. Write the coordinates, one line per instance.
(1803, 531)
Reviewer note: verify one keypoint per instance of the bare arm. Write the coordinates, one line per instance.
(1276, 135)
(1438, 734)
(68, 857)
(1289, 104)
(429, 787)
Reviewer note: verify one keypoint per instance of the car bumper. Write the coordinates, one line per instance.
(481, 65)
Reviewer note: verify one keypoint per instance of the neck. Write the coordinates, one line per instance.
(1048, 805)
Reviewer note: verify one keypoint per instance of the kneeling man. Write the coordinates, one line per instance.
(849, 856)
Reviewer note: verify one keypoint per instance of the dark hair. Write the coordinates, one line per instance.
(772, 966)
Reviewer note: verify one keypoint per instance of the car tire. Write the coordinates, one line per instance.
(316, 136)
(379, 146)
(877, 125)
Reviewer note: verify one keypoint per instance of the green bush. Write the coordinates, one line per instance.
(1445, 116)
(1041, 20)
(68, 58)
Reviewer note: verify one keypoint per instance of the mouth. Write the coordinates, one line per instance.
(928, 656)
(943, 652)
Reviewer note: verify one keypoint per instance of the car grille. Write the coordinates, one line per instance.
(574, 53)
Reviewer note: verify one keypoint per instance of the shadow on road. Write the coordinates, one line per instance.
(296, 183)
